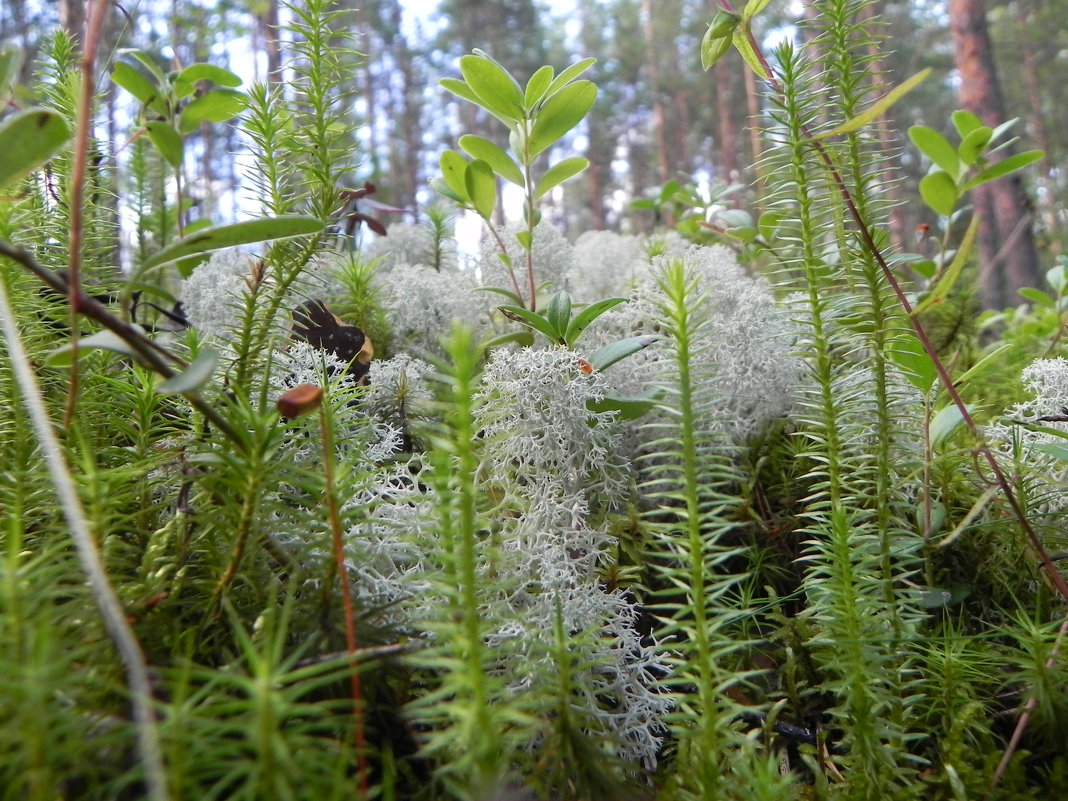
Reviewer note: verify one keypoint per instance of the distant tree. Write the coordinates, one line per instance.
(1008, 260)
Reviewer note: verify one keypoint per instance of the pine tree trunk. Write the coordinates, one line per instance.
(1006, 243)
(728, 138)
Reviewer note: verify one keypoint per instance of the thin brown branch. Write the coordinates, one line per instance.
(151, 354)
(90, 41)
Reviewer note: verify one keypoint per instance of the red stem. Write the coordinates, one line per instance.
(90, 39)
(346, 598)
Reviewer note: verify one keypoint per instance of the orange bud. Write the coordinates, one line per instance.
(300, 400)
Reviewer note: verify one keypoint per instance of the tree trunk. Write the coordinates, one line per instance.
(1006, 243)
(728, 139)
(72, 17)
(267, 32)
(659, 123)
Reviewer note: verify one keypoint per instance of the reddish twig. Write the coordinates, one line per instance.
(90, 39)
(346, 599)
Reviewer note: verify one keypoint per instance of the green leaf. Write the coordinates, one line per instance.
(588, 315)
(561, 112)
(973, 145)
(749, 55)
(946, 283)
(242, 233)
(735, 218)
(908, 354)
(1057, 278)
(1058, 450)
(965, 122)
(453, 169)
(193, 377)
(769, 223)
(101, 340)
(217, 105)
(568, 75)
(1038, 297)
(209, 72)
(29, 139)
(627, 408)
(500, 290)
(497, 90)
(167, 141)
(718, 38)
(613, 352)
(1002, 129)
(743, 233)
(523, 339)
(501, 162)
(996, 356)
(9, 62)
(460, 89)
(925, 267)
(939, 191)
(937, 148)
(879, 107)
(558, 314)
(537, 86)
(438, 185)
(752, 8)
(946, 422)
(137, 85)
(1004, 167)
(531, 320)
(149, 64)
(481, 186)
(525, 239)
(559, 173)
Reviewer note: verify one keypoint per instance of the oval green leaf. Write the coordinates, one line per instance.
(558, 314)
(209, 72)
(588, 315)
(9, 63)
(945, 423)
(497, 90)
(939, 191)
(613, 352)
(1004, 167)
(569, 74)
(218, 105)
(193, 377)
(167, 141)
(537, 86)
(965, 122)
(1037, 296)
(531, 320)
(626, 408)
(242, 233)
(501, 162)
(135, 83)
(101, 340)
(453, 168)
(718, 38)
(937, 148)
(481, 185)
(28, 140)
(973, 145)
(561, 112)
(559, 173)
(908, 354)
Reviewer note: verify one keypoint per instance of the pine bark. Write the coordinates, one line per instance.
(1008, 259)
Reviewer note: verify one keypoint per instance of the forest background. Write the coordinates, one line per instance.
(807, 542)
(659, 117)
